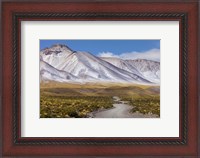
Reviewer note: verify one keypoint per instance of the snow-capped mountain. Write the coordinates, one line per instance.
(56, 55)
(60, 63)
(147, 69)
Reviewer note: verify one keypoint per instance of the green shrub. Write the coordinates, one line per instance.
(72, 106)
(145, 104)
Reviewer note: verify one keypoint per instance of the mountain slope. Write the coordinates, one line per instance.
(49, 73)
(147, 69)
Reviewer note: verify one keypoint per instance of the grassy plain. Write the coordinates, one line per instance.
(62, 100)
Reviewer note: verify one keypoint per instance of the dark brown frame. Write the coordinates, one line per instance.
(187, 143)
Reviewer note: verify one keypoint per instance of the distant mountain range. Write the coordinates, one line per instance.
(61, 64)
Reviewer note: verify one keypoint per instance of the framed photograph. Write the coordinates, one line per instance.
(100, 79)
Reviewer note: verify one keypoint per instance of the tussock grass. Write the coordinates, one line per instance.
(145, 104)
(72, 106)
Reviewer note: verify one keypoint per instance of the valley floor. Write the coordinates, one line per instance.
(59, 100)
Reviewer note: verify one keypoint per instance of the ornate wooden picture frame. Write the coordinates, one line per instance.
(13, 13)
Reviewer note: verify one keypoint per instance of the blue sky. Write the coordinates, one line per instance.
(97, 46)
(107, 48)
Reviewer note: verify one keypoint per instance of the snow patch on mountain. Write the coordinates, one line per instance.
(49, 73)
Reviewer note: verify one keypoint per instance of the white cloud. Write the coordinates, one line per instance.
(107, 54)
(153, 54)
